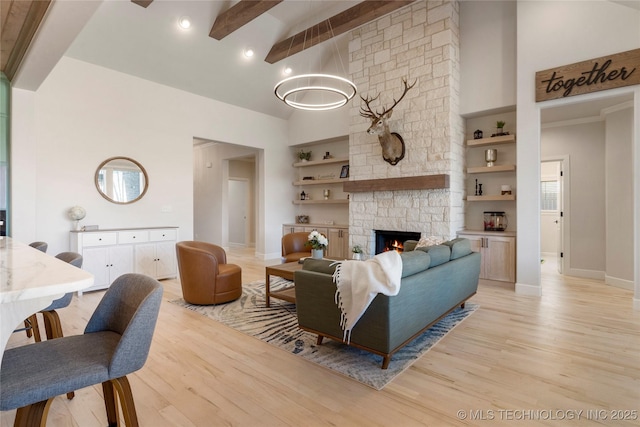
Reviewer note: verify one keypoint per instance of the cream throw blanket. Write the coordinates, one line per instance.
(358, 283)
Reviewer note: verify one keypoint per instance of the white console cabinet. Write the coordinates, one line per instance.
(108, 254)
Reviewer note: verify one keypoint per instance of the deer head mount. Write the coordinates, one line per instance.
(391, 142)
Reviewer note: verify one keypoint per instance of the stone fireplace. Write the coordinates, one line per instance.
(419, 42)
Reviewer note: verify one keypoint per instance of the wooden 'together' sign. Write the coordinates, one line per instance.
(608, 72)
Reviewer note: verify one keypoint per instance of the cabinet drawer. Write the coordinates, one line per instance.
(134, 236)
(99, 239)
(163, 235)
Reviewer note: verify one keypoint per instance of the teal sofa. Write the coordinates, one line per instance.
(435, 280)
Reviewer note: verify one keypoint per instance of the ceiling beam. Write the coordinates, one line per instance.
(238, 15)
(143, 3)
(20, 21)
(350, 19)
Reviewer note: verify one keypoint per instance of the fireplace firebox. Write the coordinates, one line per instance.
(391, 240)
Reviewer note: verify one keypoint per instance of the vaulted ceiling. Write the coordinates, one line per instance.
(142, 38)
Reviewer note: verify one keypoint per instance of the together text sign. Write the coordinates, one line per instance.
(608, 72)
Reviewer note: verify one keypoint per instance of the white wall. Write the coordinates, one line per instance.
(487, 55)
(83, 114)
(551, 34)
(584, 144)
(619, 197)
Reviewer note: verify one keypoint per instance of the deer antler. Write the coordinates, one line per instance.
(406, 89)
(368, 112)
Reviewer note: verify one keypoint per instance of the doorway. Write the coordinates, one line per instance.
(239, 205)
(554, 212)
(598, 135)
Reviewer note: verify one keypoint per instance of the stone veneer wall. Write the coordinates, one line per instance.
(420, 41)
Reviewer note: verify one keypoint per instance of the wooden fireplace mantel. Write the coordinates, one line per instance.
(425, 182)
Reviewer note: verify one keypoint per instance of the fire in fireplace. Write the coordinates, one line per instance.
(389, 240)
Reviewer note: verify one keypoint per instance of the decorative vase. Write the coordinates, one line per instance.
(357, 256)
(317, 253)
(490, 156)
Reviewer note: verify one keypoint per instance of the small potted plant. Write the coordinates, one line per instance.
(357, 252)
(500, 126)
(304, 155)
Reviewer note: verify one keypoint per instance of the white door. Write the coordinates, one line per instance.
(238, 209)
(560, 219)
(552, 213)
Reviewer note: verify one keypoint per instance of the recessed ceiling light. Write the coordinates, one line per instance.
(248, 52)
(184, 22)
(287, 70)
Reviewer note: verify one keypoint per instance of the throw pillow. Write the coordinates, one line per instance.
(428, 241)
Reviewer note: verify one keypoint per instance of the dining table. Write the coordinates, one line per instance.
(29, 281)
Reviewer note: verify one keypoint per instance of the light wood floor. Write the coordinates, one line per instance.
(518, 358)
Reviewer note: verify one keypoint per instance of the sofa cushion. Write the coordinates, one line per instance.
(414, 262)
(459, 247)
(439, 254)
(320, 265)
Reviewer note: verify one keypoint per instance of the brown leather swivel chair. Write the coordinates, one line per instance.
(294, 246)
(205, 276)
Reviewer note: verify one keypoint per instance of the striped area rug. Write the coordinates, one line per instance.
(278, 325)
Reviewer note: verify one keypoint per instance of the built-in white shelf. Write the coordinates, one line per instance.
(494, 140)
(321, 202)
(320, 181)
(321, 162)
(494, 198)
(491, 169)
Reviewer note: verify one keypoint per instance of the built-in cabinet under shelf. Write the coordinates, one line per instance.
(338, 236)
(498, 250)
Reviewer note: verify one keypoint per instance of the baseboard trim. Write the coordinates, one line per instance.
(618, 283)
(531, 290)
(585, 274)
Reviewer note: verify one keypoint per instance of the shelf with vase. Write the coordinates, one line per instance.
(492, 169)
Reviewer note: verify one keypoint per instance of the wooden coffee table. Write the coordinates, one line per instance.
(286, 272)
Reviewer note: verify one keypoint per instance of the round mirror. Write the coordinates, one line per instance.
(121, 180)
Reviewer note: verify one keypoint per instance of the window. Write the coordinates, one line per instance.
(549, 195)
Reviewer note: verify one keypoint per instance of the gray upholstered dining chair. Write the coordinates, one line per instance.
(115, 343)
(52, 325)
(41, 246)
(51, 319)
(29, 327)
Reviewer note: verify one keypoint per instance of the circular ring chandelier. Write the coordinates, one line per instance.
(334, 91)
